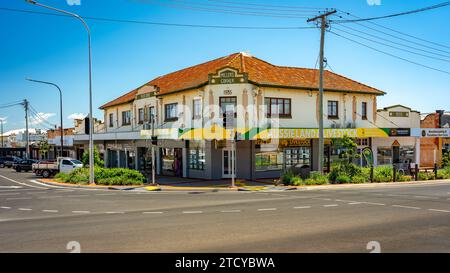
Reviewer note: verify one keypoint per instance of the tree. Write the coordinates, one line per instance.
(348, 147)
(43, 148)
(97, 160)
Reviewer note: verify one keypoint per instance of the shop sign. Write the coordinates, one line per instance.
(400, 132)
(285, 142)
(431, 132)
(227, 76)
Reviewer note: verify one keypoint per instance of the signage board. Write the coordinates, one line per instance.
(431, 132)
(398, 132)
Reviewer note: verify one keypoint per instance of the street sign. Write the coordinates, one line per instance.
(430, 132)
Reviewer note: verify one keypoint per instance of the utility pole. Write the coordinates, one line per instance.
(153, 150)
(323, 26)
(27, 135)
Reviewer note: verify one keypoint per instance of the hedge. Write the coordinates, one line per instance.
(103, 176)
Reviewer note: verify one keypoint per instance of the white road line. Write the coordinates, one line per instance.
(269, 209)
(50, 210)
(331, 205)
(303, 207)
(5, 207)
(25, 209)
(230, 211)
(405, 207)
(23, 184)
(375, 204)
(152, 212)
(9, 194)
(51, 197)
(192, 212)
(354, 203)
(80, 211)
(19, 198)
(439, 210)
(114, 212)
(11, 187)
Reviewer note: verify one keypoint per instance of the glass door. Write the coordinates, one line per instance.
(227, 163)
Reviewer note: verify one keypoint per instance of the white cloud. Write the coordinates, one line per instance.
(41, 118)
(22, 131)
(4, 119)
(374, 2)
(77, 116)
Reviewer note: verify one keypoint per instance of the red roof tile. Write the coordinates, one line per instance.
(259, 72)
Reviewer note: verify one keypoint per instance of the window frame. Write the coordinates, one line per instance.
(126, 121)
(166, 117)
(196, 115)
(335, 116)
(364, 110)
(141, 115)
(235, 105)
(284, 113)
(111, 120)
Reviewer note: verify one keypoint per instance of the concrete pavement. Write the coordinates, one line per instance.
(403, 218)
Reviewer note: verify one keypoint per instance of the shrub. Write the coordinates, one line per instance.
(383, 174)
(444, 173)
(343, 179)
(296, 181)
(358, 179)
(103, 176)
(404, 178)
(426, 176)
(98, 162)
(287, 177)
(316, 178)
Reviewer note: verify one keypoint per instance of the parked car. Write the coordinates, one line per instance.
(48, 169)
(24, 165)
(8, 161)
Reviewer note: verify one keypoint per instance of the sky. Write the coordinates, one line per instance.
(126, 55)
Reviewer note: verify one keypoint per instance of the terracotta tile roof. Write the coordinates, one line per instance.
(259, 72)
(128, 97)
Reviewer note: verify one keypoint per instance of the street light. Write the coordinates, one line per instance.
(60, 109)
(91, 122)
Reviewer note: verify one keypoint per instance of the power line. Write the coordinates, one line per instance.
(398, 32)
(267, 5)
(381, 43)
(381, 38)
(441, 5)
(389, 54)
(156, 23)
(217, 10)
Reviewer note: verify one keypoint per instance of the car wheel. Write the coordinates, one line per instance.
(46, 174)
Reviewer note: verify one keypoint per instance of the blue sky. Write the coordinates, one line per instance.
(126, 56)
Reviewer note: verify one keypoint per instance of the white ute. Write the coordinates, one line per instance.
(48, 169)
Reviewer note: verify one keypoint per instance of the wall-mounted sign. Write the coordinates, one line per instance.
(285, 142)
(430, 132)
(400, 132)
(398, 114)
(228, 75)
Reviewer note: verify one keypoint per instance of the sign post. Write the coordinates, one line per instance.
(229, 125)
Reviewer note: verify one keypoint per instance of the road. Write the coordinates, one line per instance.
(401, 218)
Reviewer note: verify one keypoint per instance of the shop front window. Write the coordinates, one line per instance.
(384, 156)
(269, 161)
(297, 157)
(406, 154)
(197, 159)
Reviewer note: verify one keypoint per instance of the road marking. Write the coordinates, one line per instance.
(375, 204)
(269, 209)
(25, 209)
(114, 212)
(50, 210)
(192, 212)
(231, 211)
(22, 184)
(19, 198)
(439, 210)
(81, 211)
(9, 194)
(405, 207)
(5, 207)
(152, 212)
(11, 187)
(324, 199)
(331, 205)
(303, 207)
(354, 203)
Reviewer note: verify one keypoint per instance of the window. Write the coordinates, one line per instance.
(197, 109)
(364, 111)
(111, 120)
(333, 109)
(126, 118)
(269, 161)
(297, 156)
(197, 159)
(141, 115)
(152, 113)
(228, 104)
(278, 107)
(384, 156)
(171, 112)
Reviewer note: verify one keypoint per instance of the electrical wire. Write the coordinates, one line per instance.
(157, 23)
(441, 5)
(268, 5)
(389, 54)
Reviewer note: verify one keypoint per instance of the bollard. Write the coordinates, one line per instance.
(371, 174)
(416, 172)
(435, 171)
(395, 174)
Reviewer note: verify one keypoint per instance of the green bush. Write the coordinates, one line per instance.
(383, 174)
(296, 181)
(343, 179)
(426, 176)
(358, 179)
(316, 178)
(287, 177)
(404, 178)
(103, 176)
(444, 173)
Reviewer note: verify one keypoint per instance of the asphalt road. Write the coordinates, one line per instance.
(401, 218)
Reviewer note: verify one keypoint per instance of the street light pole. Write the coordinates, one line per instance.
(91, 121)
(1, 121)
(60, 109)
